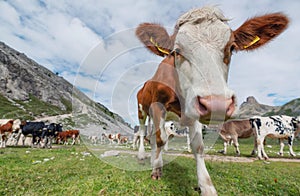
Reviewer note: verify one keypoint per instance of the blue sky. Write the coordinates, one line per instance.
(91, 43)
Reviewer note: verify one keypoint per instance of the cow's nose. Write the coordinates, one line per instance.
(215, 107)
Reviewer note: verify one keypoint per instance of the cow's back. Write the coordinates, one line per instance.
(240, 128)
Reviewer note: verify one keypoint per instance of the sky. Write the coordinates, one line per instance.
(92, 44)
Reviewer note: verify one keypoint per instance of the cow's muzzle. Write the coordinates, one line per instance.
(215, 108)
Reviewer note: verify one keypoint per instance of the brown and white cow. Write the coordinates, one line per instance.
(112, 137)
(191, 80)
(69, 134)
(7, 128)
(231, 130)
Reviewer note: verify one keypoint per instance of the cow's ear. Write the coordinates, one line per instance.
(155, 38)
(257, 31)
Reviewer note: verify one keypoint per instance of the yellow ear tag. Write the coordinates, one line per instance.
(256, 39)
(159, 48)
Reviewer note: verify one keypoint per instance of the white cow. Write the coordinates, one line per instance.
(170, 130)
(191, 80)
(93, 139)
(281, 127)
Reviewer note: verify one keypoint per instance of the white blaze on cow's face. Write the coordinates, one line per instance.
(199, 60)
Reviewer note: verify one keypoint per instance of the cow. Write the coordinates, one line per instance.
(112, 137)
(231, 130)
(7, 129)
(49, 133)
(69, 134)
(145, 131)
(136, 140)
(34, 129)
(191, 80)
(103, 138)
(281, 127)
(93, 139)
(124, 140)
(170, 131)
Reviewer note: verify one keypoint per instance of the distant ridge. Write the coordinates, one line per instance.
(252, 107)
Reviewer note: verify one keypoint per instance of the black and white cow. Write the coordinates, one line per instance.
(281, 127)
(49, 133)
(34, 129)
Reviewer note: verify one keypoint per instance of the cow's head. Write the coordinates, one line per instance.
(202, 46)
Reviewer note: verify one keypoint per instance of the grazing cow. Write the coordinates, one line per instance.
(191, 80)
(7, 129)
(230, 131)
(34, 129)
(50, 132)
(281, 127)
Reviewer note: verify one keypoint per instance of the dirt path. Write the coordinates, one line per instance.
(53, 118)
(220, 158)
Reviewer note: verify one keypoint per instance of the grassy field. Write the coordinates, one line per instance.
(78, 170)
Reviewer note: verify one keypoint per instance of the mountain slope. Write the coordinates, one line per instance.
(251, 107)
(30, 91)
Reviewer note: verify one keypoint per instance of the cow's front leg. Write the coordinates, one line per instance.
(157, 143)
(204, 181)
(157, 165)
(160, 138)
(260, 148)
(142, 153)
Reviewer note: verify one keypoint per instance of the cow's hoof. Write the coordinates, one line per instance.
(141, 161)
(266, 158)
(155, 177)
(156, 174)
(222, 152)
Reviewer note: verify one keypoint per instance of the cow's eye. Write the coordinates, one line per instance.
(177, 50)
(179, 57)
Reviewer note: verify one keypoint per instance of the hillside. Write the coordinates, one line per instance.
(29, 91)
(252, 107)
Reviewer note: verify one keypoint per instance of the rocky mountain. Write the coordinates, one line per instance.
(252, 107)
(30, 91)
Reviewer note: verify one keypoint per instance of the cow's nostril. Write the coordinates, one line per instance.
(231, 107)
(202, 106)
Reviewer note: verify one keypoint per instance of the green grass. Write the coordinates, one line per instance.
(33, 106)
(8, 110)
(246, 146)
(71, 173)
